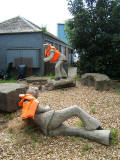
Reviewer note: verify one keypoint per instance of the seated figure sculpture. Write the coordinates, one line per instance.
(53, 55)
(51, 121)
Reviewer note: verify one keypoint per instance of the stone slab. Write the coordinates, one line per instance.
(9, 95)
(36, 79)
(97, 80)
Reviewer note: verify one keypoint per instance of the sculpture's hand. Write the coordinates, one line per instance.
(47, 108)
(52, 52)
(45, 60)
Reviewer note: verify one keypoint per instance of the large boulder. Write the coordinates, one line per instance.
(97, 80)
(9, 95)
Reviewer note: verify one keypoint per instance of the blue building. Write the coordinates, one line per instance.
(60, 32)
(21, 41)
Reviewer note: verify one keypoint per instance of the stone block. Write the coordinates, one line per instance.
(97, 80)
(9, 96)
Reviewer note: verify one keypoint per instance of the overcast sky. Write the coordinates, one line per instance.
(41, 12)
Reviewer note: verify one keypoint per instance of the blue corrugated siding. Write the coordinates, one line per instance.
(13, 54)
(27, 40)
(24, 40)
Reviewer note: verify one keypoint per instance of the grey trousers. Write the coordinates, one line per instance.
(60, 116)
(57, 128)
(59, 69)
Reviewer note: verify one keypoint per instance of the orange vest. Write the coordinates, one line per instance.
(29, 107)
(56, 55)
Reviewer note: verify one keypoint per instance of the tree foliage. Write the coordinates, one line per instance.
(95, 32)
(44, 29)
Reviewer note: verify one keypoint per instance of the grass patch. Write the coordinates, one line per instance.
(73, 138)
(50, 76)
(76, 138)
(8, 81)
(28, 130)
(9, 116)
(34, 138)
(11, 80)
(87, 147)
(77, 78)
(91, 104)
(52, 135)
(80, 124)
(114, 136)
(93, 110)
(117, 92)
(33, 145)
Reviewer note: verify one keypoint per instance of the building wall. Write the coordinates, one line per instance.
(22, 40)
(9, 42)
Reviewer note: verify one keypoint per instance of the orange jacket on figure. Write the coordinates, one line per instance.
(29, 105)
(56, 56)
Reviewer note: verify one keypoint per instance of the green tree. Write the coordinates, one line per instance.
(44, 29)
(95, 32)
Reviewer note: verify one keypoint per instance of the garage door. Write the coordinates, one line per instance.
(33, 54)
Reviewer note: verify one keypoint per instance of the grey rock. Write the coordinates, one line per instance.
(9, 95)
(97, 80)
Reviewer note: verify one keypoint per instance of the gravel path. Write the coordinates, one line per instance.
(20, 142)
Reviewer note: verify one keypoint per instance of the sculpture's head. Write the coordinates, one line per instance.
(34, 91)
(46, 45)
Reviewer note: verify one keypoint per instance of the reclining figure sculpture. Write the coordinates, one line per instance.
(51, 121)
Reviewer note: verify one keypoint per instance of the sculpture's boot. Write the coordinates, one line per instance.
(100, 136)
